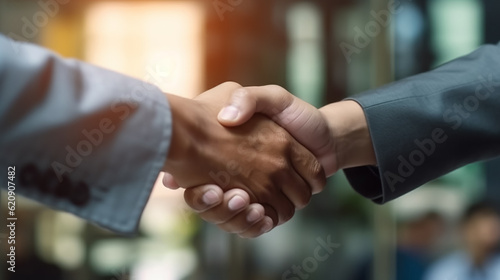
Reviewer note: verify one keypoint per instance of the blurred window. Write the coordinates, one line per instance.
(457, 28)
(160, 42)
(306, 65)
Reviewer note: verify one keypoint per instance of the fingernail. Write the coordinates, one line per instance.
(253, 216)
(236, 203)
(210, 197)
(229, 113)
(267, 227)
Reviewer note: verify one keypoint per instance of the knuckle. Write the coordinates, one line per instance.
(282, 139)
(231, 84)
(316, 169)
(283, 95)
(276, 88)
(241, 93)
(318, 173)
(279, 169)
(281, 164)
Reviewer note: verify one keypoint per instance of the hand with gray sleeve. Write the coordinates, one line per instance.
(92, 142)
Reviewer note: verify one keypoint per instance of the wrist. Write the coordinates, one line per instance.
(349, 129)
(184, 125)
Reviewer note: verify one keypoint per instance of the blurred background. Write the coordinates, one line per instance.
(322, 51)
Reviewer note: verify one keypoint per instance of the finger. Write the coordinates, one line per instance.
(234, 202)
(279, 208)
(308, 167)
(263, 226)
(245, 102)
(244, 220)
(169, 181)
(296, 189)
(203, 197)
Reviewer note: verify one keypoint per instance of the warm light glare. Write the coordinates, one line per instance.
(160, 42)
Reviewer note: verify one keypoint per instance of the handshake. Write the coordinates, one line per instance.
(248, 157)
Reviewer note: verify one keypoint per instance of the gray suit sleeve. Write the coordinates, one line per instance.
(80, 138)
(427, 125)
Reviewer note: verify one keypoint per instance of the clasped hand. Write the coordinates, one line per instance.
(245, 172)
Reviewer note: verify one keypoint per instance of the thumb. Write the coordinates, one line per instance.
(245, 102)
(302, 120)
